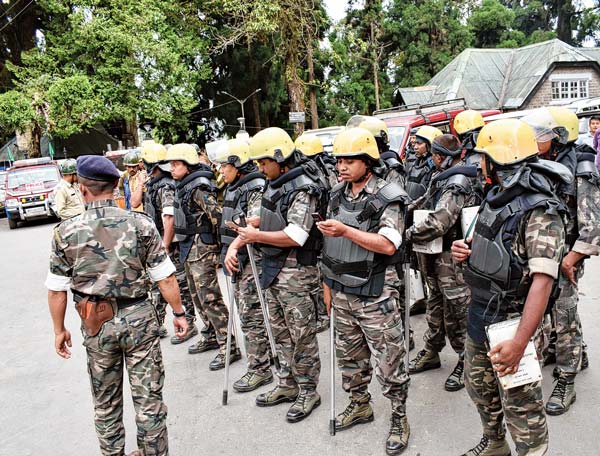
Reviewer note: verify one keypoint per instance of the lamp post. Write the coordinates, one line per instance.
(242, 119)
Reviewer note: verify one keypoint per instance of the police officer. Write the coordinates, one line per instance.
(106, 256)
(290, 243)
(557, 129)
(467, 125)
(362, 235)
(311, 146)
(131, 180)
(450, 191)
(67, 197)
(419, 171)
(394, 171)
(197, 215)
(243, 194)
(159, 200)
(513, 261)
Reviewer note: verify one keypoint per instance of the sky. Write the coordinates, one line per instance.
(335, 8)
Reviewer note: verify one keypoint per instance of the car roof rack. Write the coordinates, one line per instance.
(419, 109)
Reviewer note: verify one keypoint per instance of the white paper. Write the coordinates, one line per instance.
(416, 286)
(431, 247)
(529, 367)
(468, 218)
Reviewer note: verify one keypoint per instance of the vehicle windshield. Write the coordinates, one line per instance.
(396, 137)
(19, 178)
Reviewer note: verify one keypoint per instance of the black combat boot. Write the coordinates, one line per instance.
(252, 380)
(455, 380)
(562, 397)
(397, 440)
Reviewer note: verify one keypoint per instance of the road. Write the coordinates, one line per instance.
(47, 406)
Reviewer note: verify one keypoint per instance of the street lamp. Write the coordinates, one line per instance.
(242, 119)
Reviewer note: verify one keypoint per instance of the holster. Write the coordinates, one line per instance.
(94, 313)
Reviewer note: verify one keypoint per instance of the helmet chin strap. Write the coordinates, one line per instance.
(363, 178)
(447, 162)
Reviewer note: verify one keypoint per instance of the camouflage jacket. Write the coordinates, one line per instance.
(108, 252)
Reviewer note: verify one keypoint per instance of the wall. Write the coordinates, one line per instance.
(543, 96)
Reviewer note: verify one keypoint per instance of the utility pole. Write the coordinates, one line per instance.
(242, 119)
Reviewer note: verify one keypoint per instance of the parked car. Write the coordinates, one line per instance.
(29, 187)
(400, 120)
(326, 135)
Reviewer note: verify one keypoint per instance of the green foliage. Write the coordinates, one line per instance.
(490, 24)
(16, 112)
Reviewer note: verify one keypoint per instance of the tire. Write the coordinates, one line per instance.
(12, 223)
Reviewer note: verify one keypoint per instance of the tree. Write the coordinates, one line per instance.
(113, 61)
(290, 24)
(490, 23)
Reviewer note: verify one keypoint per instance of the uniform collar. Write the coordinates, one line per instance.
(369, 188)
(101, 203)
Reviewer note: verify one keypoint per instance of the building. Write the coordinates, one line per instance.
(541, 74)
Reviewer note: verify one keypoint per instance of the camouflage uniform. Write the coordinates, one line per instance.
(448, 293)
(292, 310)
(366, 326)
(539, 246)
(112, 253)
(251, 316)
(68, 200)
(165, 199)
(201, 269)
(569, 334)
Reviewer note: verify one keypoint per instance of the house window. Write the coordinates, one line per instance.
(569, 89)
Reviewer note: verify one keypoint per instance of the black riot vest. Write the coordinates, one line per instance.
(152, 204)
(235, 202)
(460, 179)
(189, 220)
(494, 272)
(418, 177)
(326, 165)
(275, 203)
(347, 266)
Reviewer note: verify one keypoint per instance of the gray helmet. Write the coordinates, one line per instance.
(132, 158)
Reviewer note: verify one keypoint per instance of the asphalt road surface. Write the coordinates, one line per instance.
(47, 406)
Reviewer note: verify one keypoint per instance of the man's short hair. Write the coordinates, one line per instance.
(594, 117)
(96, 187)
(448, 141)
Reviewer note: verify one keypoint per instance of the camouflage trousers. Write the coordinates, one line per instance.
(371, 326)
(569, 336)
(186, 298)
(294, 325)
(523, 406)
(206, 294)
(317, 298)
(253, 323)
(131, 337)
(447, 304)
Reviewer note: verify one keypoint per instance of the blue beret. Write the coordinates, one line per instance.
(97, 167)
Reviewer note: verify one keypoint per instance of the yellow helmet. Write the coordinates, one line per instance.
(354, 142)
(377, 127)
(153, 152)
(235, 152)
(183, 152)
(428, 133)
(567, 119)
(273, 143)
(309, 145)
(507, 141)
(468, 120)
(545, 127)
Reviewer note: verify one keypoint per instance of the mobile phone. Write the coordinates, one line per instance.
(317, 217)
(231, 225)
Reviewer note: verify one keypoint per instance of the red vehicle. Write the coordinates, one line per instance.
(401, 119)
(29, 186)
